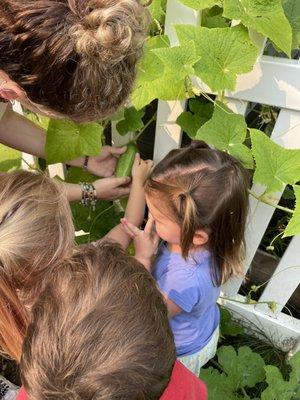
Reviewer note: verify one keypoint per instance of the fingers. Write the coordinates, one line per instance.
(124, 180)
(150, 225)
(137, 160)
(130, 228)
(117, 151)
(122, 192)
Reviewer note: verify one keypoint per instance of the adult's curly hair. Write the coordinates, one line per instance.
(76, 57)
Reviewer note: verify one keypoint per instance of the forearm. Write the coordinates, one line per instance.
(74, 191)
(135, 209)
(134, 213)
(18, 132)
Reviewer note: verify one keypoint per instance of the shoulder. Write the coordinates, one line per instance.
(184, 385)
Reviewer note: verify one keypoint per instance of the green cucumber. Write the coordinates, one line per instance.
(126, 160)
(124, 166)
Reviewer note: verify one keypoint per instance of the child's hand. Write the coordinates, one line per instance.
(145, 241)
(141, 169)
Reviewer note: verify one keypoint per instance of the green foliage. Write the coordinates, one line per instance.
(265, 16)
(275, 166)
(227, 131)
(224, 52)
(292, 12)
(191, 121)
(67, 140)
(293, 227)
(242, 369)
(132, 121)
(95, 224)
(201, 4)
(10, 159)
(227, 326)
(213, 18)
(278, 388)
(177, 64)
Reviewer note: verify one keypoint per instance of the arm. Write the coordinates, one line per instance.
(106, 189)
(146, 243)
(136, 203)
(18, 132)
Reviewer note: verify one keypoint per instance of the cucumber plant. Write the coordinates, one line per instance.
(216, 52)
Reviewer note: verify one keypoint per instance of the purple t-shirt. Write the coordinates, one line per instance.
(188, 283)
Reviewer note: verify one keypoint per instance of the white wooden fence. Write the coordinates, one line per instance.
(275, 82)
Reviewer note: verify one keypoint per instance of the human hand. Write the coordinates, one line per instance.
(141, 169)
(105, 163)
(145, 241)
(112, 188)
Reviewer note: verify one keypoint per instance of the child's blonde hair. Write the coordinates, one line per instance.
(206, 189)
(99, 331)
(36, 231)
(76, 57)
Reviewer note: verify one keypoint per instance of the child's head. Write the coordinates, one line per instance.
(73, 57)
(98, 331)
(198, 197)
(36, 232)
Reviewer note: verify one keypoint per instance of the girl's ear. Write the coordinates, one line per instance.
(10, 90)
(200, 238)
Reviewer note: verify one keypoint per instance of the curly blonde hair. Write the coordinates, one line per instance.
(75, 57)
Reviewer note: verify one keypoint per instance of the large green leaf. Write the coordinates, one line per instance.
(177, 64)
(201, 4)
(293, 227)
(132, 121)
(245, 368)
(225, 53)
(242, 369)
(265, 16)
(150, 70)
(67, 140)
(275, 166)
(227, 131)
(279, 388)
(292, 12)
(10, 159)
(191, 121)
(219, 386)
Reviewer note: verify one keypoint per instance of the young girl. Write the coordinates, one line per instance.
(198, 200)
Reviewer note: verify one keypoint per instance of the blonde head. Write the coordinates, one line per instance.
(36, 232)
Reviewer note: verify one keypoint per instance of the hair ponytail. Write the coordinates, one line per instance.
(188, 213)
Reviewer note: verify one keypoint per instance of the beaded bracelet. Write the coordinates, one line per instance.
(89, 195)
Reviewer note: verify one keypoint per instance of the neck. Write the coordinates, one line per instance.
(176, 248)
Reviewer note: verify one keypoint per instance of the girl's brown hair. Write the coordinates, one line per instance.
(76, 57)
(99, 331)
(36, 231)
(206, 189)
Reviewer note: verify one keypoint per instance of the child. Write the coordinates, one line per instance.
(198, 201)
(36, 233)
(99, 330)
